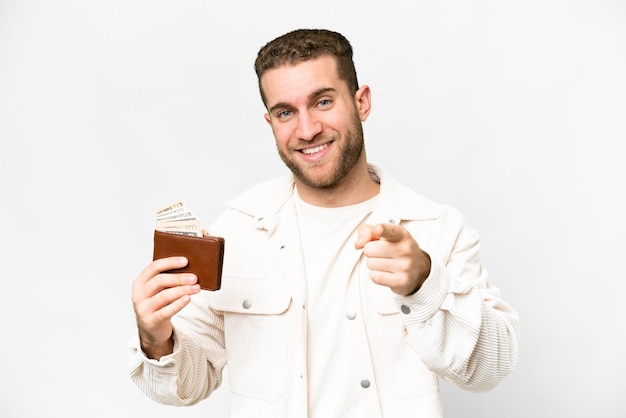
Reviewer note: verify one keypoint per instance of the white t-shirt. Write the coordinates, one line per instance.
(340, 374)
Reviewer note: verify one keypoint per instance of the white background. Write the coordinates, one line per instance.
(514, 112)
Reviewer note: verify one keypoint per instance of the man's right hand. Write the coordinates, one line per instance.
(157, 297)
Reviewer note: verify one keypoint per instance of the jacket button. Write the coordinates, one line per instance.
(247, 303)
(350, 315)
(365, 383)
(405, 309)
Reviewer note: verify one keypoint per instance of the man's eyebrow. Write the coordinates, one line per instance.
(315, 94)
(280, 105)
(321, 92)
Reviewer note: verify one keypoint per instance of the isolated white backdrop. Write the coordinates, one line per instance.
(513, 112)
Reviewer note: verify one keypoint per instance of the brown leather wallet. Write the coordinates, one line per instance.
(205, 256)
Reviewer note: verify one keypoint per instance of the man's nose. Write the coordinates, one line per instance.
(308, 126)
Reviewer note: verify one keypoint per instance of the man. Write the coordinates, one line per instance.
(344, 294)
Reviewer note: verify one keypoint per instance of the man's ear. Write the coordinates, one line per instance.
(268, 118)
(363, 101)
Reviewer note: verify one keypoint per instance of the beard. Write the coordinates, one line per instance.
(350, 150)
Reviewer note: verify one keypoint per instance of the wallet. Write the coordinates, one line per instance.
(205, 256)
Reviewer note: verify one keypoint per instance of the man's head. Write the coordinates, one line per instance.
(316, 112)
(303, 45)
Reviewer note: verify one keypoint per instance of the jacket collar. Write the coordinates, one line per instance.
(397, 202)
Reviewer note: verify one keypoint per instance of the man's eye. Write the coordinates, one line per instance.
(323, 102)
(285, 114)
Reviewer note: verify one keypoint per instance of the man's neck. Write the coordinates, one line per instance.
(355, 188)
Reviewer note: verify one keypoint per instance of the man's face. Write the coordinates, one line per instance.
(316, 121)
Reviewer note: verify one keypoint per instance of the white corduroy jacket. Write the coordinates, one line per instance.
(456, 327)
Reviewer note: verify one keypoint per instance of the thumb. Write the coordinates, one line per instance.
(367, 233)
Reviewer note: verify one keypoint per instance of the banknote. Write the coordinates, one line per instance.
(177, 218)
(171, 208)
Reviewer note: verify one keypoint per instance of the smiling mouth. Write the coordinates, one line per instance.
(313, 150)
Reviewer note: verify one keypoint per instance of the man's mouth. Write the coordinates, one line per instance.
(313, 150)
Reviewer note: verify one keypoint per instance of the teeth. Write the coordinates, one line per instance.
(310, 151)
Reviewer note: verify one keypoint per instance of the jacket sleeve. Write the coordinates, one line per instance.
(194, 370)
(458, 322)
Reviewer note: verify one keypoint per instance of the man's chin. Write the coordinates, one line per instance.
(315, 180)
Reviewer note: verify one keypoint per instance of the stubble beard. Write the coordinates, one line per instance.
(351, 149)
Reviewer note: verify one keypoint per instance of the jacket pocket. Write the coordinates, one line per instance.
(257, 328)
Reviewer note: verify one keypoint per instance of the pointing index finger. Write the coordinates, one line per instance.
(389, 232)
